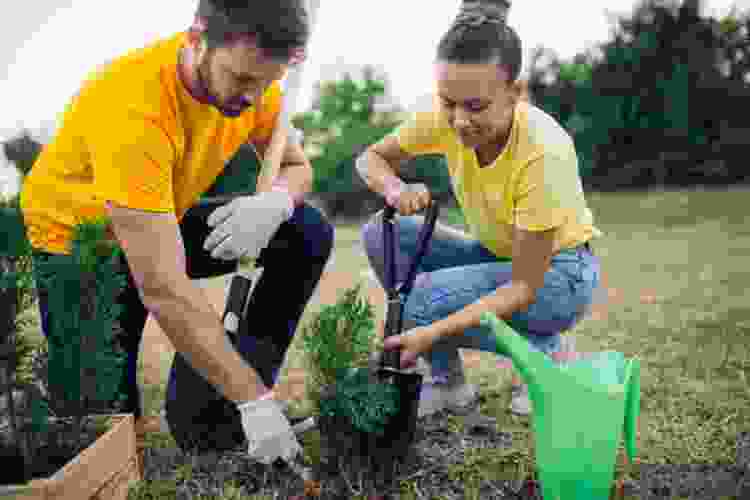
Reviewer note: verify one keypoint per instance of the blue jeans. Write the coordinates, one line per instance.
(457, 271)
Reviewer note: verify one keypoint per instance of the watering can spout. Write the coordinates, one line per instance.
(510, 344)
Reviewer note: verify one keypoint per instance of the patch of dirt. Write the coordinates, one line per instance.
(209, 474)
(435, 450)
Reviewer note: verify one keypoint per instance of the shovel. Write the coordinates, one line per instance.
(401, 428)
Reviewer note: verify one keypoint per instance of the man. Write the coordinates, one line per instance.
(140, 143)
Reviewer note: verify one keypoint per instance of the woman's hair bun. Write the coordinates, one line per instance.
(493, 8)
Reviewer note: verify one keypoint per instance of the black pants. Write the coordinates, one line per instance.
(293, 264)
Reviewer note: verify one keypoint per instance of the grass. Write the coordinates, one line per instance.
(688, 249)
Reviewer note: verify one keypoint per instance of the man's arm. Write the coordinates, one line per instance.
(156, 256)
(295, 173)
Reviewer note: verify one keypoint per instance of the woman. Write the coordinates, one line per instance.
(515, 175)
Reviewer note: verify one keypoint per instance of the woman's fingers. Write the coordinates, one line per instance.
(412, 203)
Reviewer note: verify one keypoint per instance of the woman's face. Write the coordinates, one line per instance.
(477, 100)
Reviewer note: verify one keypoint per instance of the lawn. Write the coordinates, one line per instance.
(676, 266)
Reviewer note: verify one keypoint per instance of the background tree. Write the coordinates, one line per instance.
(660, 104)
(22, 151)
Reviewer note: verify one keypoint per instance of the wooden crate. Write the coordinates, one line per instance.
(103, 471)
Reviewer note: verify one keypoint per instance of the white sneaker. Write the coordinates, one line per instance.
(520, 404)
(438, 396)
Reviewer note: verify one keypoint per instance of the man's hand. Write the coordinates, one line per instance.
(407, 199)
(268, 432)
(246, 225)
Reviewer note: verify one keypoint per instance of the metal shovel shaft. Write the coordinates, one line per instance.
(397, 293)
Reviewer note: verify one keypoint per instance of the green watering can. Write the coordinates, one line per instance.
(580, 411)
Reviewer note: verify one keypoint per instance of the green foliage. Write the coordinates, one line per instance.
(339, 336)
(334, 168)
(337, 342)
(26, 348)
(342, 123)
(367, 405)
(84, 364)
(15, 252)
(660, 103)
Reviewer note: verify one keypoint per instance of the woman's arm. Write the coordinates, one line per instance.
(532, 255)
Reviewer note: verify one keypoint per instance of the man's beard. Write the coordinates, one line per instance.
(232, 108)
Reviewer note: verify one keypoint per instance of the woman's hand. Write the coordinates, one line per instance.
(407, 199)
(412, 343)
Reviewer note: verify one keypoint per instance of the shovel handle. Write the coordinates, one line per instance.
(389, 214)
(396, 296)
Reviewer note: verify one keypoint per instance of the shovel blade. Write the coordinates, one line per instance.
(401, 428)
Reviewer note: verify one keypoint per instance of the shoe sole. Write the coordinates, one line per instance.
(458, 409)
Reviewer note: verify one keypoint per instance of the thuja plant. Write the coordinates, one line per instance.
(82, 367)
(338, 342)
(16, 296)
(366, 405)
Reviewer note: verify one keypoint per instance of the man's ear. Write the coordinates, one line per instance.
(521, 90)
(198, 44)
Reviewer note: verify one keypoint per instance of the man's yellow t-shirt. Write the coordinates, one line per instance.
(534, 184)
(133, 135)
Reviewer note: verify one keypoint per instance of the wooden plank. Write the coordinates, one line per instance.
(90, 471)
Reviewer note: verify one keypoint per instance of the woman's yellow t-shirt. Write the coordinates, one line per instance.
(133, 135)
(533, 185)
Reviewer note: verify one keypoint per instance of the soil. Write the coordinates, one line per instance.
(435, 449)
(57, 447)
(208, 474)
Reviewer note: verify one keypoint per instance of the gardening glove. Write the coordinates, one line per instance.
(244, 226)
(414, 342)
(407, 199)
(269, 434)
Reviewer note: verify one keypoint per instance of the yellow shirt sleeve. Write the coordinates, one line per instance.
(267, 114)
(548, 193)
(133, 163)
(421, 134)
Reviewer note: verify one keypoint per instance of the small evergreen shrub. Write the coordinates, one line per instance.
(338, 342)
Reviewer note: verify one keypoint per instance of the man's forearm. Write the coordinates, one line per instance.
(297, 179)
(193, 326)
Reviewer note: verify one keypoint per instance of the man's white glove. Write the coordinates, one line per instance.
(244, 226)
(269, 435)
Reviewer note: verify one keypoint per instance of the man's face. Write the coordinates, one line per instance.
(477, 101)
(237, 75)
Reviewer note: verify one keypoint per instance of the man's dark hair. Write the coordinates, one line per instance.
(279, 25)
(480, 35)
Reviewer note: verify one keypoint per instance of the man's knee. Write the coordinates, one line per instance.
(317, 232)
